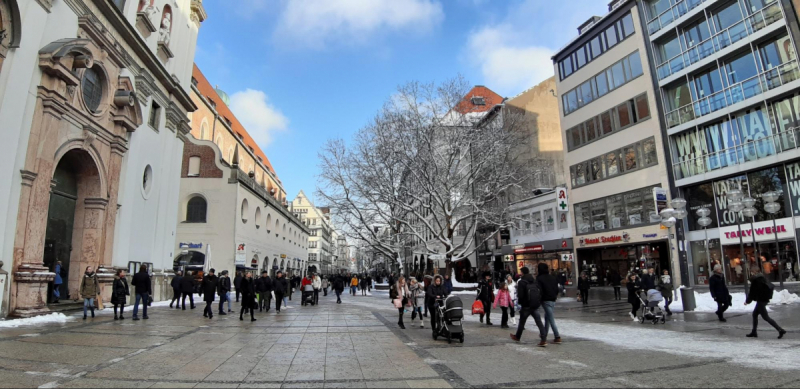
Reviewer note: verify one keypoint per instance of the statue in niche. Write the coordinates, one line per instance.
(166, 26)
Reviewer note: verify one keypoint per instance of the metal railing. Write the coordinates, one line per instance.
(753, 86)
(749, 151)
(676, 11)
(744, 28)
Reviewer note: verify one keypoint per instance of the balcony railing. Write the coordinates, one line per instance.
(676, 11)
(736, 93)
(746, 27)
(749, 151)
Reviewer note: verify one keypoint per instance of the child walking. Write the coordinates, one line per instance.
(503, 298)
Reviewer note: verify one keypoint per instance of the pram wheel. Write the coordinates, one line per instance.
(461, 339)
(435, 336)
(449, 338)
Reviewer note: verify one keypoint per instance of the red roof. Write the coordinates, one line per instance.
(210, 93)
(468, 104)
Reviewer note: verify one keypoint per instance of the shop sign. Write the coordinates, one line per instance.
(793, 178)
(606, 239)
(562, 202)
(240, 255)
(190, 245)
(508, 258)
(563, 244)
(649, 236)
(567, 257)
(531, 249)
(254, 263)
(283, 255)
(761, 232)
(518, 246)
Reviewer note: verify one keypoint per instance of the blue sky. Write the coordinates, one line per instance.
(303, 71)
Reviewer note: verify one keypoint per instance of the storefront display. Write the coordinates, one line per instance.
(599, 263)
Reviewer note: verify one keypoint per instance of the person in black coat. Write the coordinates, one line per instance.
(761, 292)
(264, 288)
(142, 283)
(119, 293)
(248, 286)
(548, 285)
(529, 308)
(223, 290)
(209, 289)
(616, 281)
(486, 295)
(562, 282)
(280, 287)
(583, 288)
(649, 280)
(237, 281)
(719, 292)
(338, 287)
(187, 289)
(634, 286)
(176, 289)
(436, 290)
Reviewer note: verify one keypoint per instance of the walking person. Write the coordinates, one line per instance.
(316, 283)
(562, 282)
(634, 286)
(279, 286)
(187, 290)
(264, 289)
(369, 283)
(58, 280)
(363, 285)
(209, 289)
(503, 298)
(649, 280)
(338, 288)
(530, 299)
(719, 292)
(417, 299)
(248, 286)
(176, 289)
(353, 285)
(583, 288)
(119, 293)
(616, 281)
(141, 281)
(434, 292)
(548, 286)
(89, 290)
(512, 290)
(237, 283)
(486, 296)
(224, 291)
(399, 295)
(325, 285)
(761, 292)
(665, 287)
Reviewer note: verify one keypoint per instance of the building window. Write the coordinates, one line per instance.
(618, 74)
(597, 45)
(194, 81)
(194, 167)
(204, 131)
(258, 218)
(155, 113)
(196, 210)
(245, 210)
(616, 211)
(120, 4)
(619, 118)
(147, 180)
(92, 87)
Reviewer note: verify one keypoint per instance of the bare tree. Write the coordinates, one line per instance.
(428, 170)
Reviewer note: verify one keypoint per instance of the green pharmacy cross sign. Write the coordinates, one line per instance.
(562, 205)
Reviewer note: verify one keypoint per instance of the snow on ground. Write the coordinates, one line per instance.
(766, 352)
(705, 303)
(53, 318)
(457, 284)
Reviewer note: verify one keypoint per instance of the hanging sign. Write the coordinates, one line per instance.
(240, 258)
(567, 257)
(562, 202)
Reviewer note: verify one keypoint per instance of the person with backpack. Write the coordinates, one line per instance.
(486, 296)
(761, 292)
(530, 298)
(224, 291)
(583, 287)
(719, 292)
(176, 289)
(548, 285)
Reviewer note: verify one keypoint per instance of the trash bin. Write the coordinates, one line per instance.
(687, 295)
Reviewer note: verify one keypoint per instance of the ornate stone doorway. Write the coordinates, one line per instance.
(60, 220)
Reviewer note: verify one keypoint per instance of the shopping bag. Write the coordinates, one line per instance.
(579, 297)
(477, 308)
(100, 303)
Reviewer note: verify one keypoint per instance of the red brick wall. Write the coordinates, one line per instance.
(208, 168)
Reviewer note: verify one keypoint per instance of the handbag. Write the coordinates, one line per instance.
(477, 308)
(397, 303)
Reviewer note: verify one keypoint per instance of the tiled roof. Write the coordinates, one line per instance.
(210, 93)
(490, 99)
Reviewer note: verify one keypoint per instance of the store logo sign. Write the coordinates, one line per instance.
(603, 239)
(757, 231)
(647, 236)
(531, 249)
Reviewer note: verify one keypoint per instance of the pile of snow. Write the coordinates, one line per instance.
(457, 284)
(53, 318)
(705, 303)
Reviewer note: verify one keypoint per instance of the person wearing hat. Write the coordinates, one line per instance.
(719, 292)
(224, 291)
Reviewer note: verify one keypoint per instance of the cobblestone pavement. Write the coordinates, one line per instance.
(358, 344)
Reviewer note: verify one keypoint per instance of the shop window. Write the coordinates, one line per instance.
(549, 220)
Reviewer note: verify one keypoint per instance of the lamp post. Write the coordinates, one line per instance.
(669, 217)
(737, 205)
(772, 207)
(704, 221)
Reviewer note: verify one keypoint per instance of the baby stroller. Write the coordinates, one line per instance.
(650, 309)
(308, 295)
(450, 312)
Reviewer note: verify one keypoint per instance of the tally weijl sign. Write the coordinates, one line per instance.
(760, 232)
(793, 181)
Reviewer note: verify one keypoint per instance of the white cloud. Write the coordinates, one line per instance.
(318, 23)
(260, 118)
(507, 65)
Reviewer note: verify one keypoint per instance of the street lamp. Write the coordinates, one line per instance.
(669, 217)
(772, 207)
(704, 221)
(736, 204)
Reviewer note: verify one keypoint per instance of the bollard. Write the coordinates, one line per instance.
(687, 295)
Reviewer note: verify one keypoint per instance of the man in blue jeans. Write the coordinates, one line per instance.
(548, 284)
(142, 283)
